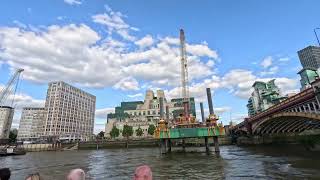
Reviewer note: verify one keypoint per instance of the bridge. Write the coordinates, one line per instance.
(296, 114)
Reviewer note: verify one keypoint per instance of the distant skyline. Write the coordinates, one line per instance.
(116, 50)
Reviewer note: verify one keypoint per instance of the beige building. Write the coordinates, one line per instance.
(70, 112)
(143, 113)
(31, 123)
(6, 116)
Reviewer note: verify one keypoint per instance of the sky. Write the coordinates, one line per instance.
(116, 50)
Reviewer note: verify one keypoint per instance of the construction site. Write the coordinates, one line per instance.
(187, 126)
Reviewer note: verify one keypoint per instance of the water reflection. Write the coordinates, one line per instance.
(233, 163)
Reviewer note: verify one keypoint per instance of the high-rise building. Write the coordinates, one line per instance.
(307, 77)
(310, 61)
(69, 112)
(31, 123)
(6, 116)
(310, 57)
(264, 96)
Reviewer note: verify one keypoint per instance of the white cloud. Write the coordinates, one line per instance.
(114, 22)
(221, 110)
(102, 113)
(73, 2)
(145, 41)
(19, 24)
(272, 70)
(128, 83)
(284, 59)
(135, 95)
(201, 50)
(266, 62)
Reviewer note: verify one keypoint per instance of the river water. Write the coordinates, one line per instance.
(263, 162)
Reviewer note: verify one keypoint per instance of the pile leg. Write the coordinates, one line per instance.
(183, 145)
(169, 144)
(216, 144)
(206, 144)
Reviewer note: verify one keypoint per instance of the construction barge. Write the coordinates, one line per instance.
(186, 126)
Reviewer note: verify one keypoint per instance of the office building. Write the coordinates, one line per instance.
(6, 116)
(69, 112)
(310, 57)
(31, 125)
(144, 113)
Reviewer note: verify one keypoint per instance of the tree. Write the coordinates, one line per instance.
(115, 132)
(151, 129)
(127, 131)
(13, 135)
(139, 131)
(100, 135)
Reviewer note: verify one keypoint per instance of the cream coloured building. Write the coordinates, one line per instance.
(6, 116)
(69, 112)
(144, 113)
(31, 123)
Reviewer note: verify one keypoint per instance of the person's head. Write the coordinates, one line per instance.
(76, 174)
(143, 173)
(5, 174)
(35, 176)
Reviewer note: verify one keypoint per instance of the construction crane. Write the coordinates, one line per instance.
(10, 89)
(184, 75)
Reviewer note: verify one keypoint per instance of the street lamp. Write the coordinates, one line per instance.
(315, 32)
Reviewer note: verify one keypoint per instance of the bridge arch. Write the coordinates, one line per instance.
(286, 122)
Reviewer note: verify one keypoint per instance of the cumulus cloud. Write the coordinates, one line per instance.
(114, 22)
(89, 60)
(145, 41)
(239, 83)
(272, 70)
(128, 83)
(102, 113)
(266, 62)
(73, 2)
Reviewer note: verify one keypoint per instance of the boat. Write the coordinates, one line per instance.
(12, 151)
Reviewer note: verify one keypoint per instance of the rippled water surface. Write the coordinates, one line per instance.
(233, 163)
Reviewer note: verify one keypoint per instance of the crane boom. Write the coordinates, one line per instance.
(184, 67)
(184, 76)
(10, 88)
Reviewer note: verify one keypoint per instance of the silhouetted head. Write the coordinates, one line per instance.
(143, 173)
(76, 174)
(5, 174)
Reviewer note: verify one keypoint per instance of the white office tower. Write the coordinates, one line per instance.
(70, 112)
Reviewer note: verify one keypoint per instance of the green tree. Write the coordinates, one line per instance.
(127, 131)
(101, 135)
(13, 135)
(115, 132)
(151, 129)
(139, 131)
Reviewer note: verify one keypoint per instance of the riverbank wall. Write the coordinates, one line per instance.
(308, 141)
(133, 143)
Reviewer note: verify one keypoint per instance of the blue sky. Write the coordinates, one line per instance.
(118, 49)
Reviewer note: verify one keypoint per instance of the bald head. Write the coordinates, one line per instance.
(143, 173)
(76, 174)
